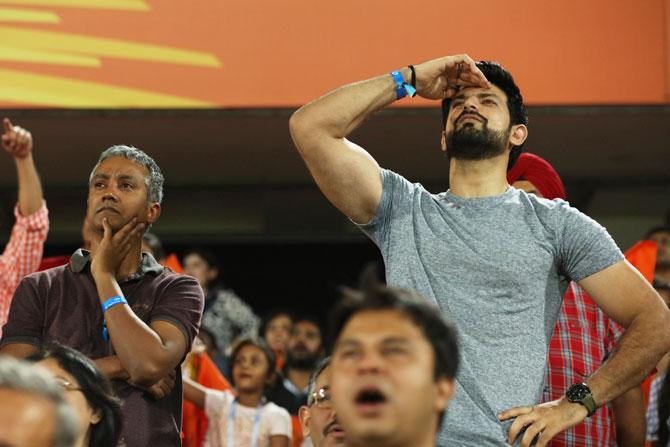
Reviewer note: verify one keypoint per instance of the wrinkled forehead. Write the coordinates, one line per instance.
(468, 92)
(115, 167)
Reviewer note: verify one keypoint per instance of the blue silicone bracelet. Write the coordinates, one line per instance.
(113, 301)
(400, 91)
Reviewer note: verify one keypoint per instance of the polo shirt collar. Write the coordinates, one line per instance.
(81, 258)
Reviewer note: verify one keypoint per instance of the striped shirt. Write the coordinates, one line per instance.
(22, 254)
(583, 338)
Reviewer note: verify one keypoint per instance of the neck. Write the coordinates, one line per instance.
(130, 263)
(83, 440)
(298, 377)
(249, 398)
(478, 178)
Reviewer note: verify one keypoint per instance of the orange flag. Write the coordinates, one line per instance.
(643, 257)
(194, 424)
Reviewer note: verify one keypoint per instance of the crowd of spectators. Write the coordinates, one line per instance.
(125, 344)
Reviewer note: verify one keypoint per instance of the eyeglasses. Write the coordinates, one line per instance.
(321, 398)
(66, 384)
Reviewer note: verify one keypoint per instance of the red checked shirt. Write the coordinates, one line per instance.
(22, 254)
(582, 340)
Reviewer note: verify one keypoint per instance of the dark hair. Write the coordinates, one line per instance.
(657, 229)
(374, 295)
(501, 78)
(300, 317)
(268, 317)
(663, 412)
(311, 388)
(258, 343)
(96, 388)
(209, 257)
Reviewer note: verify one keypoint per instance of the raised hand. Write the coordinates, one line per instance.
(114, 247)
(17, 141)
(441, 78)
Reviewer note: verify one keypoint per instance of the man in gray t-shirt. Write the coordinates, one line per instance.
(495, 259)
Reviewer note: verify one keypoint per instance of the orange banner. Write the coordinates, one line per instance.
(264, 53)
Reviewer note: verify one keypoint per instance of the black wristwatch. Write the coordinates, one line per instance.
(580, 393)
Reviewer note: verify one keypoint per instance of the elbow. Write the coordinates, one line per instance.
(297, 127)
(305, 130)
(145, 375)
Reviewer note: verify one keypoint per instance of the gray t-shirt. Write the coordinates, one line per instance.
(497, 267)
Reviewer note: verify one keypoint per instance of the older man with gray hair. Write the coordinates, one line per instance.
(33, 410)
(318, 419)
(116, 304)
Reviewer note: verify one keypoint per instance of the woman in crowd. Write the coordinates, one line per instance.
(276, 329)
(88, 392)
(226, 316)
(245, 419)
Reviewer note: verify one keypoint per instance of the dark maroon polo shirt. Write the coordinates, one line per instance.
(61, 304)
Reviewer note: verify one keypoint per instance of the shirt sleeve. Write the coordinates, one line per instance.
(652, 409)
(23, 252)
(26, 315)
(181, 303)
(280, 422)
(397, 196)
(217, 404)
(585, 246)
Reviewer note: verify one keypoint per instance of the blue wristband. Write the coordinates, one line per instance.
(113, 301)
(400, 91)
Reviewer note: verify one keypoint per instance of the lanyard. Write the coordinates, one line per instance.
(255, 433)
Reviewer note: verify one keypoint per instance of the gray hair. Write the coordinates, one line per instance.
(311, 388)
(155, 179)
(20, 376)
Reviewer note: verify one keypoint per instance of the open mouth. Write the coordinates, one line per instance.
(335, 431)
(370, 400)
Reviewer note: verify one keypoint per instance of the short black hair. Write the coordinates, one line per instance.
(95, 387)
(373, 295)
(210, 259)
(271, 315)
(258, 343)
(657, 229)
(501, 78)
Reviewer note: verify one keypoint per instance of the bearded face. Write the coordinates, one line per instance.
(472, 139)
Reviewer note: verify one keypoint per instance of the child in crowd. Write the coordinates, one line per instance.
(276, 329)
(244, 419)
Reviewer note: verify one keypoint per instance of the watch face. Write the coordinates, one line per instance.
(577, 392)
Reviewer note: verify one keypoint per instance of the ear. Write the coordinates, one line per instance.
(518, 134)
(444, 389)
(153, 212)
(96, 416)
(304, 416)
(443, 141)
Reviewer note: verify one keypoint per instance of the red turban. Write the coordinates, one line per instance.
(540, 173)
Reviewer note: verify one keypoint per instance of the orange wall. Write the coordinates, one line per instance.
(266, 53)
